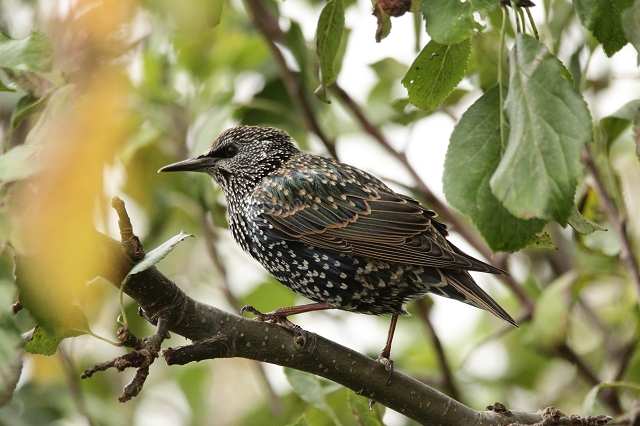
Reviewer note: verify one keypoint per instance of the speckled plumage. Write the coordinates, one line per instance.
(333, 233)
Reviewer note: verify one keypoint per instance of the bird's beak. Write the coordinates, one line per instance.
(197, 164)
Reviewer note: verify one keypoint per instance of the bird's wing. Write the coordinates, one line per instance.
(364, 219)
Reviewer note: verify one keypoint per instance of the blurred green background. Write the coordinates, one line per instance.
(157, 81)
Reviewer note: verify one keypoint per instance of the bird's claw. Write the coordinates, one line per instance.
(273, 317)
(297, 332)
(388, 365)
(259, 315)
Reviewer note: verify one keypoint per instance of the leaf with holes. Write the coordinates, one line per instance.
(452, 21)
(45, 340)
(435, 73)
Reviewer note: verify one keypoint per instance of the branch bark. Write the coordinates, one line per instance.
(219, 334)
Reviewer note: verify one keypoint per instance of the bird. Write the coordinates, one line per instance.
(333, 233)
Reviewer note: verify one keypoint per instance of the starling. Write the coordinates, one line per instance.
(333, 233)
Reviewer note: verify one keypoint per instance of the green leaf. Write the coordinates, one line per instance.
(472, 157)
(452, 21)
(631, 25)
(34, 53)
(4, 88)
(549, 124)
(551, 315)
(28, 62)
(308, 387)
(36, 84)
(60, 102)
(27, 105)
(604, 19)
(589, 402)
(328, 39)
(435, 73)
(157, 254)
(485, 49)
(45, 341)
(581, 224)
(613, 125)
(542, 240)
(19, 163)
(42, 342)
(360, 408)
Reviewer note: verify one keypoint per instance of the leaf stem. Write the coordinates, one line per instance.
(125, 321)
(515, 11)
(532, 23)
(104, 339)
(503, 31)
(523, 24)
(417, 25)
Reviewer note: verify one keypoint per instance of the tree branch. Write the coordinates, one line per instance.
(267, 24)
(618, 221)
(608, 395)
(447, 375)
(218, 334)
(211, 240)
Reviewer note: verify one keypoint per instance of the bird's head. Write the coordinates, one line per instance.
(240, 155)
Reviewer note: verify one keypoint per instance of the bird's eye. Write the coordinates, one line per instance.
(230, 151)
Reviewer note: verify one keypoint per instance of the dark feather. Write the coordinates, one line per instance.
(363, 220)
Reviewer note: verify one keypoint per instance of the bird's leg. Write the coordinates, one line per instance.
(279, 316)
(385, 355)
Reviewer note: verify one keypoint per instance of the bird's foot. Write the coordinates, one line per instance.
(276, 317)
(388, 365)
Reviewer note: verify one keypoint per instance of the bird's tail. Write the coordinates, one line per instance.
(463, 288)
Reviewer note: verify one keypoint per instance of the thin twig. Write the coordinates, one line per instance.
(268, 26)
(624, 357)
(503, 329)
(618, 221)
(608, 395)
(447, 375)
(527, 302)
(72, 380)
(211, 242)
